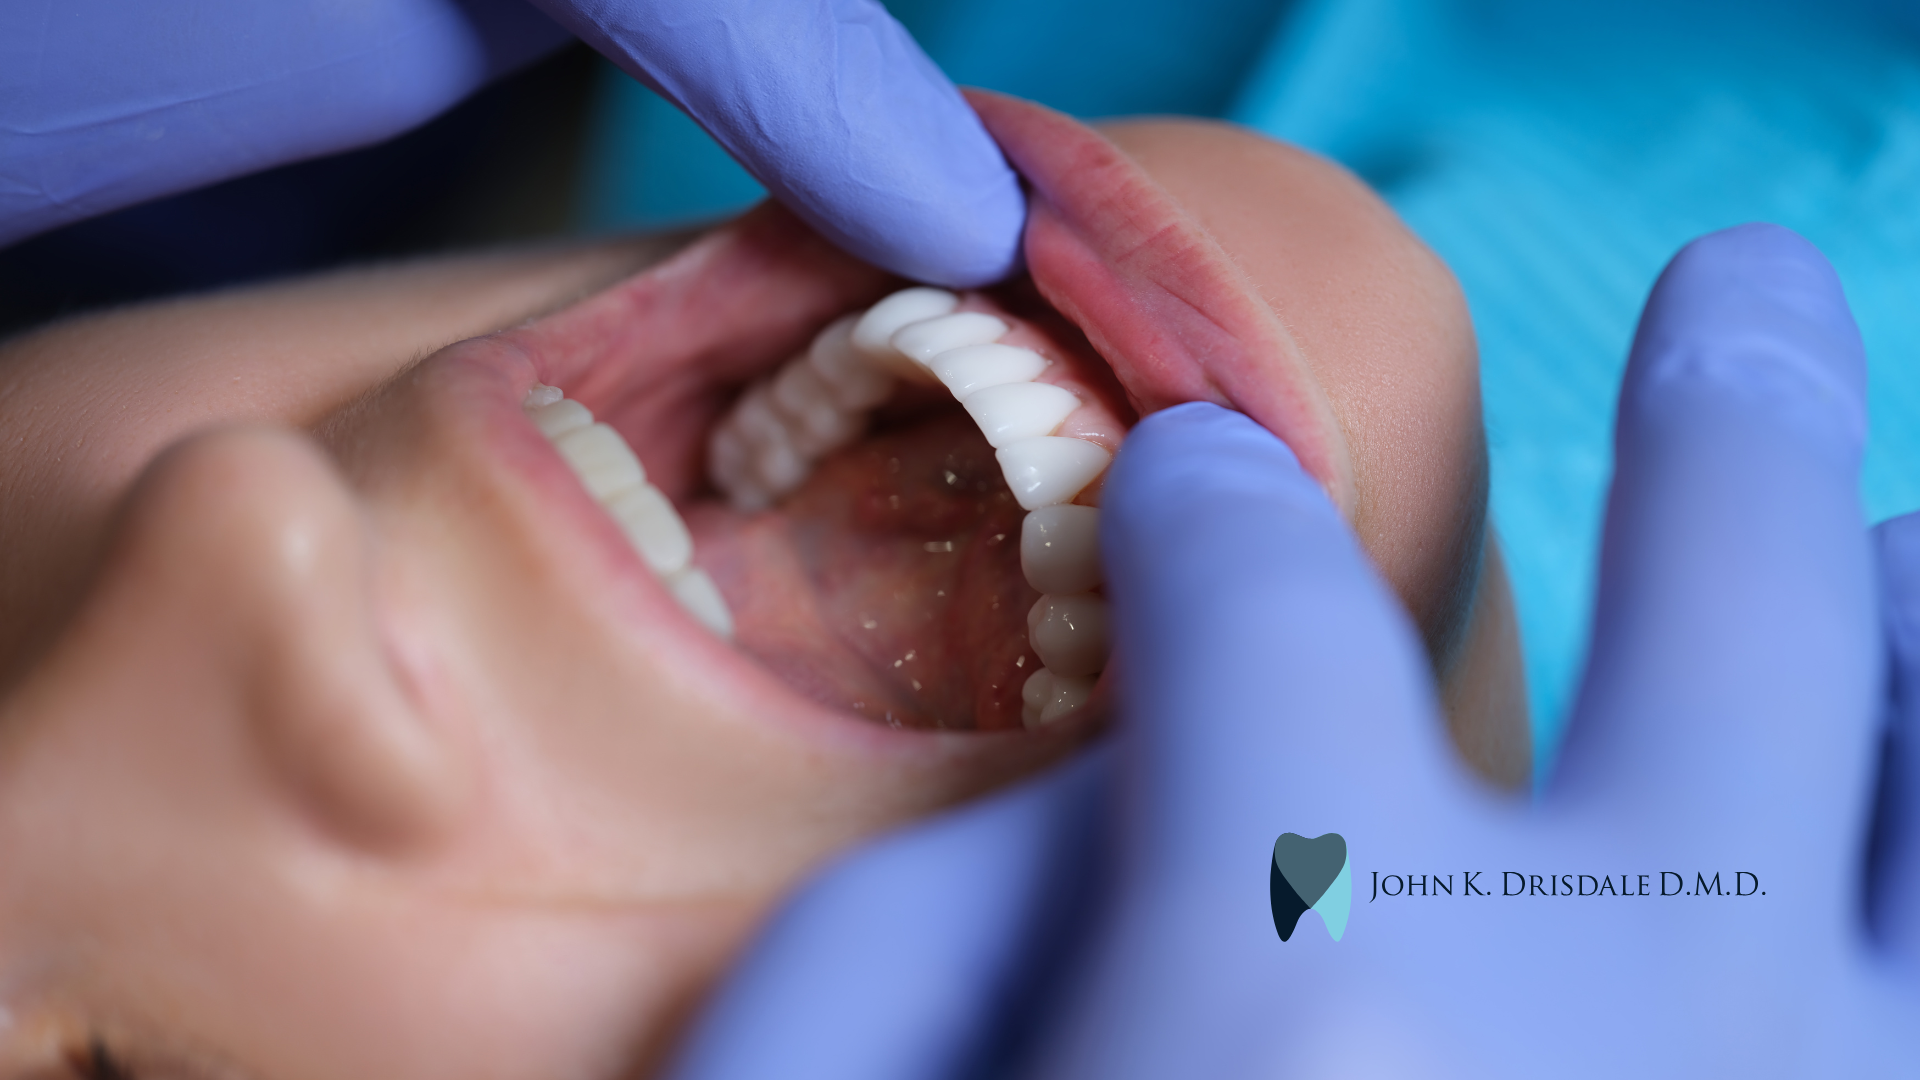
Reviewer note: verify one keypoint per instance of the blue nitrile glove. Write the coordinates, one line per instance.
(829, 103)
(1112, 921)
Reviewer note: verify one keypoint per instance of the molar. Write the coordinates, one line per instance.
(1047, 697)
(854, 381)
(1017, 411)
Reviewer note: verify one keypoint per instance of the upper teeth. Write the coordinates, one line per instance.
(818, 401)
(608, 469)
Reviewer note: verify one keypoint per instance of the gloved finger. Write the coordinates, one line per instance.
(833, 107)
(1268, 683)
(1732, 681)
(1893, 863)
(105, 104)
(916, 956)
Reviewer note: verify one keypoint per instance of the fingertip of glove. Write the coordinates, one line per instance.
(1202, 451)
(1755, 310)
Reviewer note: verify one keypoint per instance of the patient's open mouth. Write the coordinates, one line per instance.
(888, 497)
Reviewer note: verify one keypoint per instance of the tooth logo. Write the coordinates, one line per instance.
(1310, 874)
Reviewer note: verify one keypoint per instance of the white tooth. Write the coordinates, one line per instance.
(1035, 693)
(1008, 414)
(1069, 633)
(976, 367)
(601, 459)
(816, 423)
(698, 594)
(780, 466)
(920, 342)
(1050, 469)
(1068, 695)
(1060, 549)
(653, 527)
(541, 395)
(730, 465)
(874, 331)
(758, 421)
(556, 418)
(852, 379)
(873, 334)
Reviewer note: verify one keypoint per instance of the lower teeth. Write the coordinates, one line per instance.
(610, 472)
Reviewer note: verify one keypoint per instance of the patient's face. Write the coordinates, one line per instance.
(343, 735)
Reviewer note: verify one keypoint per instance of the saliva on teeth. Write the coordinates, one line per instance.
(820, 400)
(608, 469)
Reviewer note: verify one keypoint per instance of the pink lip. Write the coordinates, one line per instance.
(1172, 314)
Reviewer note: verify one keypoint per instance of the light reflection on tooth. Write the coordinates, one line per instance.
(1050, 469)
(1069, 633)
(698, 594)
(1008, 414)
(653, 527)
(853, 380)
(922, 341)
(1068, 695)
(977, 367)
(601, 459)
(1060, 549)
(556, 418)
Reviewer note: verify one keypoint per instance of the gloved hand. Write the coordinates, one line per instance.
(1112, 921)
(830, 104)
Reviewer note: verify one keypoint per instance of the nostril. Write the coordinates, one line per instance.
(251, 548)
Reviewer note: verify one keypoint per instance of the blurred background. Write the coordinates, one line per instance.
(1555, 154)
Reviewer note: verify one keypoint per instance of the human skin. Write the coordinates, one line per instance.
(341, 736)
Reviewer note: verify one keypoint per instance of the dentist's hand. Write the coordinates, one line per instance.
(828, 102)
(1112, 921)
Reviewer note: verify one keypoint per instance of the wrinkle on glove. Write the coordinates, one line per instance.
(832, 106)
(1269, 683)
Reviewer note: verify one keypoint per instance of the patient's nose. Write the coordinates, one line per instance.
(248, 552)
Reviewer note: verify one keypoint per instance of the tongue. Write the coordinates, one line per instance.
(1155, 294)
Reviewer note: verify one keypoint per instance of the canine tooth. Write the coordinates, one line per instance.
(1068, 695)
(698, 594)
(1035, 694)
(873, 334)
(1069, 633)
(1060, 549)
(541, 395)
(556, 418)
(921, 341)
(977, 367)
(653, 527)
(1007, 414)
(852, 379)
(601, 459)
(1050, 469)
